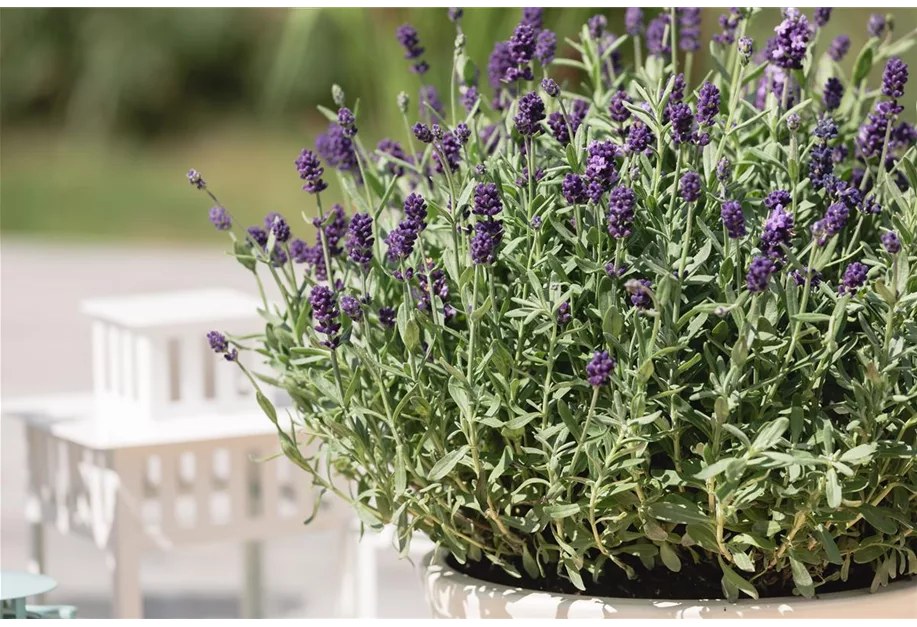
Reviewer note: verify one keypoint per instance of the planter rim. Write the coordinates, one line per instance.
(437, 572)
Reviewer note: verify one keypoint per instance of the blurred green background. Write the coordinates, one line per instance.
(102, 111)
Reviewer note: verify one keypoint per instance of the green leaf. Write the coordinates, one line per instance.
(558, 512)
(812, 317)
(743, 562)
(875, 517)
(669, 557)
(802, 578)
(732, 579)
(401, 476)
(832, 488)
(863, 64)
(446, 463)
(714, 469)
(829, 545)
(770, 434)
(481, 311)
(266, 406)
(678, 513)
(859, 454)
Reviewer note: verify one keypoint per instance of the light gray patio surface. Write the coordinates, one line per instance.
(44, 348)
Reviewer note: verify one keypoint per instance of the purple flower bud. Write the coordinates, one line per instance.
(574, 189)
(658, 43)
(831, 224)
(708, 104)
(522, 44)
(487, 237)
(195, 178)
(423, 133)
(360, 239)
(407, 37)
(545, 47)
(894, 78)
(347, 121)
(633, 21)
(310, 170)
(616, 109)
(563, 315)
(853, 279)
(746, 47)
(800, 276)
(793, 122)
(723, 171)
(470, 98)
(640, 138)
(217, 342)
(682, 123)
(597, 25)
(219, 217)
(325, 314)
(891, 242)
(279, 226)
(822, 16)
(550, 87)
(876, 25)
(600, 368)
(351, 308)
(531, 113)
(533, 16)
(258, 235)
(639, 290)
(462, 133)
(777, 233)
(689, 28)
(759, 272)
(455, 14)
(690, 186)
(486, 200)
(839, 47)
(833, 93)
(733, 219)
(788, 47)
(821, 165)
(387, 317)
(620, 217)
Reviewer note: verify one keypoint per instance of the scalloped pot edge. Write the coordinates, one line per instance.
(452, 594)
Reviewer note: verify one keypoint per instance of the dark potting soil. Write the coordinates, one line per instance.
(694, 581)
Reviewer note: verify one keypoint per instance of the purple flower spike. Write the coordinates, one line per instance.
(639, 290)
(690, 187)
(360, 239)
(891, 242)
(219, 217)
(422, 132)
(563, 315)
(723, 171)
(486, 200)
(733, 219)
(833, 223)
(708, 104)
(876, 25)
(616, 109)
(839, 47)
(351, 308)
(834, 92)
(310, 170)
(682, 123)
(689, 28)
(387, 317)
(545, 47)
(407, 37)
(600, 368)
(621, 203)
(326, 314)
(746, 47)
(822, 16)
(574, 189)
(657, 41)
(894, 78)
(640, 138)
(788, 48)
(531, 113)
(550, 87)
(195, 178)
(347, 121)
(800, 276)
(455, 14)
(759, 272)
(487, 237)
(217, 342)
(854, 278)
(633, 21)
(778, 232)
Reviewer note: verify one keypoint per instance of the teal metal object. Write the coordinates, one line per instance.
(16, 587)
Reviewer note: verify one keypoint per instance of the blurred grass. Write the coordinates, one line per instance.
(103, 111)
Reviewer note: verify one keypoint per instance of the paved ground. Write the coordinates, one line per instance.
(44, 347)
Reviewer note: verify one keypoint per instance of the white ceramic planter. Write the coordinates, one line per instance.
(454, 595)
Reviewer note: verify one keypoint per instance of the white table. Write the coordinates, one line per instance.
(144, 485)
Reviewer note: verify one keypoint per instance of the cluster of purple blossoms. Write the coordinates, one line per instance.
(597, 25)
(499, 62)
(531, 113)
(558, 125)
(729, 22)
(408, 38)
(563, 314)
(800, 276)
(401, 239)
(773, 82)
(746, 48)
(876, 25)
(573, 189)
(451, 148)
(658, 43)
(620, 218)
(337, 149)
(470, 98)
(616, 109)
(639, 138)
(462, 133)
(550, 87)
(258, 236)
(276, 223)
(600, 166)
(639, 290)
(821, 16)
(533, 16)
(545, 47)
(488, 231)
(891, 243)
(195, 178)
(839, 48)
(393, 149)
(360, 239)
(220, 219)
(688, 28)
(833, 94)
(777, 233)
(351, 308)
(708, 104)
(690, 186)
(334, 232)
(831, 224)
(326, 315)
(633, 21)
(486, 200)
(787, 49)
(522, 51)
(853, 279)
(894, 78)
(219, 344)
(821, 165)
(310, 170)
(387, 317)
(423, 133)
(347, 122)
(733, 219)
(871, 135)
(599, 369)
(723, 171)
(682, 123)
(759, 272)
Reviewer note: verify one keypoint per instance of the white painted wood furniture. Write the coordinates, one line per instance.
(160, 455)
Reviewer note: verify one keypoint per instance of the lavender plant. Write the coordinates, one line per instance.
(591, 323)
